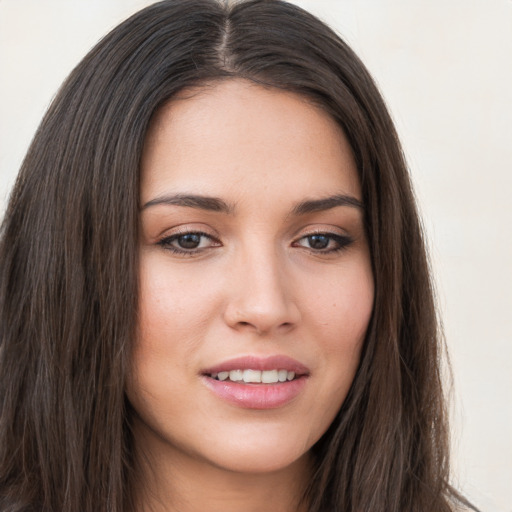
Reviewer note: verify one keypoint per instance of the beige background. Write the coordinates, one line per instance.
(445, 67)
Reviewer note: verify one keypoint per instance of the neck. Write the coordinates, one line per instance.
(169, 481)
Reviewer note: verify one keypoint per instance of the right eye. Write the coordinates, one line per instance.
(188, 243)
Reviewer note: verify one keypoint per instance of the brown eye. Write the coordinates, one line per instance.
(189, 243)
(324, 243)
(318, 242)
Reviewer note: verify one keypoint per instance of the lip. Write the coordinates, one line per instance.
(277, 362)
(257, 396)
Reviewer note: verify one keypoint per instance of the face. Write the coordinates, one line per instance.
(255, 278)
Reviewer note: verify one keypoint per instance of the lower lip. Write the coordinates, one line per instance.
(257, 396)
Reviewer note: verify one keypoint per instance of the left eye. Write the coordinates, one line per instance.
(188, 242)
(324, 242)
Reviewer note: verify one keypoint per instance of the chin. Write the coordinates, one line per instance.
(257, 466)
(261, 460)
(257, 449)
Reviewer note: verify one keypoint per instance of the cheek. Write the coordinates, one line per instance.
(173, 301)
(164, 347)
(342, 305)
(167, 321)
(339, 313)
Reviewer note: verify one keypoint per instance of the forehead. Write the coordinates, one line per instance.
(237, 133)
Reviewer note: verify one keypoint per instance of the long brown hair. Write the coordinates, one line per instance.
(68, 268)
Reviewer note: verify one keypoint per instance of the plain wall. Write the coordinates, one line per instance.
(445, 69)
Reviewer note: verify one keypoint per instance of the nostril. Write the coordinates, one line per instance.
(262, 315)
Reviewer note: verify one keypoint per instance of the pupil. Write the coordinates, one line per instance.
(189, 241)
(318, 241)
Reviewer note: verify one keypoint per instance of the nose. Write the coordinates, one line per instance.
(260, 296)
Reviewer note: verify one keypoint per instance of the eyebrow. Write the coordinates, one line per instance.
(326, 203)
(213, 204)
(216, 204)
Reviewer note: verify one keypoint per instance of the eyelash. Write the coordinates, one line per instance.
(167, 242)
(342, 242)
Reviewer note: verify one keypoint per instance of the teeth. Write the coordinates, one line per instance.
(269, 377)
(255, 376)
(252, 376)
(236, 375)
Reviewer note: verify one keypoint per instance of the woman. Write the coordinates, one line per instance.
(214, 288)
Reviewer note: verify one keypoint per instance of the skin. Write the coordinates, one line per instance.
(256, 285)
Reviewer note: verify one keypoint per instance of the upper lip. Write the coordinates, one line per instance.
(276, 362)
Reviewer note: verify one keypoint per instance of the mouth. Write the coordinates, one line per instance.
(257, 383)
(254, 376)
(258, 370)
